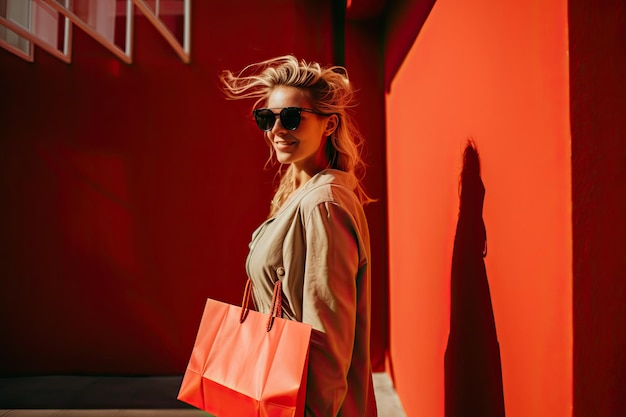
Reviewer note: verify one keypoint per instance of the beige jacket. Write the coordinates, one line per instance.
(318, 245)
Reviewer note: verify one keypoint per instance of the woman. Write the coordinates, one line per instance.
(316, 238)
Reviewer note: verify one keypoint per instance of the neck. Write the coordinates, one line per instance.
(302, 176)
(305, 170)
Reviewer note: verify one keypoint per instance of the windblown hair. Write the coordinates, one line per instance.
(328, 90)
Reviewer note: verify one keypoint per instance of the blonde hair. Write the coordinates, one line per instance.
(328, 90)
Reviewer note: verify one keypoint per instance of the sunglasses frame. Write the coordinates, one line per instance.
(282, 116)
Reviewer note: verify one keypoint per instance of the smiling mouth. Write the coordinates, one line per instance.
(285, 142)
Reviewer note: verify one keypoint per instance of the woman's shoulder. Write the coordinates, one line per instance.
(329, 186)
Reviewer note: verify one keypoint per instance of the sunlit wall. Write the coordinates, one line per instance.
(496, 72)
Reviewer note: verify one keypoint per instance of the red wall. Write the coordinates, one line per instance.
(130, 191)
(496, 72)
(597, 35)
(364, 61)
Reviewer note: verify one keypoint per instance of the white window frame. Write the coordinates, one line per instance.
(29, 33)
(125, 54)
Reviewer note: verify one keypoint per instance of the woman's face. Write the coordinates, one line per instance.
(303, 147)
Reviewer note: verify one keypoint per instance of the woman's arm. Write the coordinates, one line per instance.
(329, 304)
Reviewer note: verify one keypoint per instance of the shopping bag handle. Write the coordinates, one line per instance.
(277, 303)
(246, 300)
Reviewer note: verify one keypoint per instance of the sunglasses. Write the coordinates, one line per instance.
(289, 117)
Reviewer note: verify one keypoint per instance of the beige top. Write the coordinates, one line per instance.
(318, 245)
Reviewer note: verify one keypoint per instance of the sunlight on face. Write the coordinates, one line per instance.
(303, 147)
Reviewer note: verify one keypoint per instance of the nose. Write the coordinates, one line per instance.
(278, 127)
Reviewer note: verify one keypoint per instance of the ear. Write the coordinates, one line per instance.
(331, 125)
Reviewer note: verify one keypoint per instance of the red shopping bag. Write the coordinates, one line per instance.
(245, 363)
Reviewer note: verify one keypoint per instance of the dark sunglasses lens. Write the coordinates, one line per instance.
(290, 118)
(264, 119)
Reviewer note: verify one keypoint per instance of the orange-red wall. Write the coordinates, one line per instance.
(496, 72)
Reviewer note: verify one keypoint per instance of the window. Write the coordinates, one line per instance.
(47, 24)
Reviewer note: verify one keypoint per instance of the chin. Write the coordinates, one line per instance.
(283, 159)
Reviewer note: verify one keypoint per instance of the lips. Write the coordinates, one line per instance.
(284, 144)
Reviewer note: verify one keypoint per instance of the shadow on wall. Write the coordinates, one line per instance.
(473, 372)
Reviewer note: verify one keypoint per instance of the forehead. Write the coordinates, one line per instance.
(283, 96)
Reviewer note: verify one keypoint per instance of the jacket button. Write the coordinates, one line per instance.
(280, 271)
